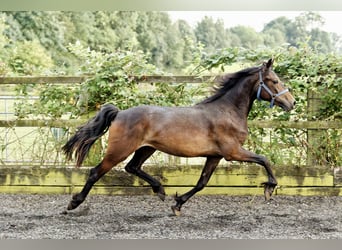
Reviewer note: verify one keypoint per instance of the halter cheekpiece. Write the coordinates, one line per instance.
(273, 95)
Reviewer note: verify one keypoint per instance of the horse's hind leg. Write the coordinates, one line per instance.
(207, 171)
(108, 162)
(134, 167)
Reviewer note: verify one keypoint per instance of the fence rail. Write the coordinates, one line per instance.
(79, 79)
(253, 123)
(336, 124)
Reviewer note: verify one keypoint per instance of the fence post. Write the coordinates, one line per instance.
(315, 137)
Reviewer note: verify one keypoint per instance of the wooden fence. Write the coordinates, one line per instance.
(149, 79)
(228, 179)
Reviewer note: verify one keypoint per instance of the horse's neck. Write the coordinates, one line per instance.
(242, 100)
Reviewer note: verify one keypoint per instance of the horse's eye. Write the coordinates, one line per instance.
(275, 81)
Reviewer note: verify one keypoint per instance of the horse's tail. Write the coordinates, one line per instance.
(87, 134)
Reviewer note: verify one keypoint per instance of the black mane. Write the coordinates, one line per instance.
(228, 82)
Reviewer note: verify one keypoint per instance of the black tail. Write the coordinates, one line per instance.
(87, 134)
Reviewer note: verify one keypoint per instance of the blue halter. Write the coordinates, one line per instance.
(273, 95)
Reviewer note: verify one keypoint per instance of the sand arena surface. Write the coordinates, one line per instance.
(146, 217)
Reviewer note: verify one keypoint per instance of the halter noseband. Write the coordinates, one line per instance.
(273, 95)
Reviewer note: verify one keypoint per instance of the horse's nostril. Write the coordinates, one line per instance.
(294, 103)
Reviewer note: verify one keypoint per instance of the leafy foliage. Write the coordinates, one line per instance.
(111, 80)
(29, 58)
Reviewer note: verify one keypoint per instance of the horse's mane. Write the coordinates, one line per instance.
(228, 82)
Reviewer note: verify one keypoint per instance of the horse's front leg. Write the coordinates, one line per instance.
(247, 156)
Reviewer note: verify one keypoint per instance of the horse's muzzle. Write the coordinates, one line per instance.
(287, 106)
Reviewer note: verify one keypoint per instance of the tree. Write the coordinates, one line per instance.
(308, 21)
(123, 24)
(321, 40)
(304, 27)
(273, 38)
(186, 46)
(284, 26)
(43, 26)
(3, 43)
(30, 58)
(212, 34)
(157, 37)
(166, 44)
(247, 37)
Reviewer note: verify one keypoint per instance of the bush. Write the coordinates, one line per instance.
(29, 58)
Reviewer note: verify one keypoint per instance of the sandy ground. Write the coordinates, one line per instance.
(146, 217)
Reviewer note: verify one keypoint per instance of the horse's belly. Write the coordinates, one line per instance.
(186, 146)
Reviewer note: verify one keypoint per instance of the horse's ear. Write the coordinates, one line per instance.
(269, 63)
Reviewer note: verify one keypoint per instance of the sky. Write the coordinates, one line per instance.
(257, 19)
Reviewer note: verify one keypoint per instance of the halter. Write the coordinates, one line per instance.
(273, 95)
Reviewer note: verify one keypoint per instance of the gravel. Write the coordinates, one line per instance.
(146, 217)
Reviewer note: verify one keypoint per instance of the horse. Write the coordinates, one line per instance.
(214, 128)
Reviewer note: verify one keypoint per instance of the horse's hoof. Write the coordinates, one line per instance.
(176, 211)
(75, 202)
(64, 212)
(72, 205)
(159, 190)
(161, 193)
(267, 195)
(268, 190)
(161, 196)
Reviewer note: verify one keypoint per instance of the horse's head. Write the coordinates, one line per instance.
(272, 89)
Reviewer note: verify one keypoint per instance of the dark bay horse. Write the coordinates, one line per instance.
(215, 128)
